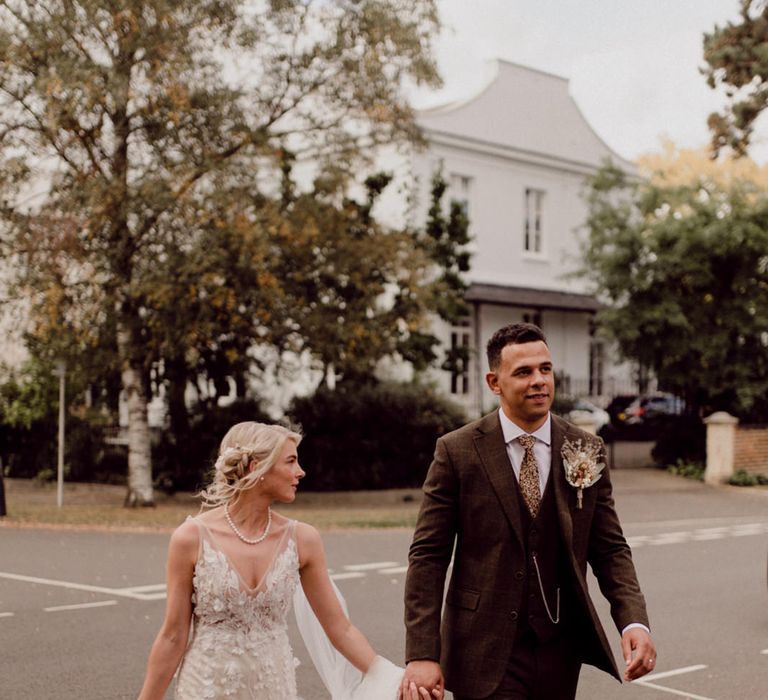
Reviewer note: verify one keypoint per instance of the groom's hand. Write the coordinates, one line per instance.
(639, 653)
(425, 674)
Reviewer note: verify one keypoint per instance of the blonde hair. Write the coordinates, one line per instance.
(243, 444)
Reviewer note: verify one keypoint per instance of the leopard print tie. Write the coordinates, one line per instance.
(529, 475)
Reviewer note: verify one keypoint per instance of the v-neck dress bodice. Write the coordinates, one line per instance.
(239, 648)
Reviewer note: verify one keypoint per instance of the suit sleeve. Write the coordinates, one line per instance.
(611, 559)
(429, 556)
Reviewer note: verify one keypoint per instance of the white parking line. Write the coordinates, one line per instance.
(698, 535)
(673, 672)
(348, 574)
(152, 588)
(81, 606)
(646, 682)
(394, 570)
(764, 651)
(62, 584)
(134, 593)
(7, 614)
(370, 566)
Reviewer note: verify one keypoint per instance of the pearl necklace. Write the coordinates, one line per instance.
(260, 538)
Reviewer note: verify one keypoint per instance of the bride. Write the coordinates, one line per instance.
(232, 574)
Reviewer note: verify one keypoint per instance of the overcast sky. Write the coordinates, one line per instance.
(633, 65)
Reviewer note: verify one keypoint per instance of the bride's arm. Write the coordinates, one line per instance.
(317, 587)
(171, 641)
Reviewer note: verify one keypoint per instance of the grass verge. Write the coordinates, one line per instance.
(100, 506)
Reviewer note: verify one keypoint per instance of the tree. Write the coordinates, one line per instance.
(683, 270)
(737, 60)
(153, 123)
(446, 240)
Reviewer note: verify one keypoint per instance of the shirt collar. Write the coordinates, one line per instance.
(512, 431)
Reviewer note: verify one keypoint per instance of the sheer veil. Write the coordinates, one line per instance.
(341, 678)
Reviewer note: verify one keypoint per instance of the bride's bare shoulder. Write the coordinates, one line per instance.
(308, 541)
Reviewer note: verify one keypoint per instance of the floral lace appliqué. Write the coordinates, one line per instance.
(240, 648)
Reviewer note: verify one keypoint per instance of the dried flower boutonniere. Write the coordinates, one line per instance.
(582, 468)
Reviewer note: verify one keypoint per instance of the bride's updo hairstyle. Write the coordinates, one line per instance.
(245, 443)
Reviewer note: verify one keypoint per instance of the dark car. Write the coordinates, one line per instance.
(646, 415)
(647, 410)
(617, 407)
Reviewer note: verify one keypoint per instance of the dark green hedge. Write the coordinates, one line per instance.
(372, 436)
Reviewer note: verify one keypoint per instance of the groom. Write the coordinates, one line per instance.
(518, 620)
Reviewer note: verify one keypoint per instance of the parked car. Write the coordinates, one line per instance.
(648, 410)
(616, 409)
(598, 415)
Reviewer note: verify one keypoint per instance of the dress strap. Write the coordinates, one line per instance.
(203, 533)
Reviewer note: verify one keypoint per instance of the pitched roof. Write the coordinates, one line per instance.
(525, 110)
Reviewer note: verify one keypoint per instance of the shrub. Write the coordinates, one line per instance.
(372, 436)
(743, 478)
(680, 439)
(32, 452)
(690, 470)
(184, 462)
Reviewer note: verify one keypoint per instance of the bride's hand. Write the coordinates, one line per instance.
(414, 693)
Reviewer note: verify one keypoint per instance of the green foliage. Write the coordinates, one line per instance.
(446, 241)
(683, 271)
(679, 439)
(167, 124)
(29, 395)
(737, 60)
(353, 289)
(743, 478)
(690, 470)
(371, 437)
(183, 462)
(30, 450)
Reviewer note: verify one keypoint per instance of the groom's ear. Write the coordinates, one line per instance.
(492, 380)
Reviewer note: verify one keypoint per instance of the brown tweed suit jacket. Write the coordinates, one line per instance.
(470, 500)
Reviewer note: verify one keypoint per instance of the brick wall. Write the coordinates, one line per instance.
(750, 452)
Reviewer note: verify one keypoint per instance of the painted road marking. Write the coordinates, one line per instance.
(394, 570)
(764, 651)
(7, 614)
(125, 592)
(370, 566)
(62, 584)
(673, 672)
(698, 535)
(348, 574)
(645, 681)
(151, 588)
(81, 606)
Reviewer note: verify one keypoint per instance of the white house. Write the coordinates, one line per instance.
(517, 155)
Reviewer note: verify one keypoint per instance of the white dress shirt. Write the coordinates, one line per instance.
(542, 448)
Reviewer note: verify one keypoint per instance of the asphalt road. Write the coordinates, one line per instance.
(79, 610)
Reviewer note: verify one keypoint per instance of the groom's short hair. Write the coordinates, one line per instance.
(514, 334)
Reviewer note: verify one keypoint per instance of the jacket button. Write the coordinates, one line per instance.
(513, 614)
(519, 575)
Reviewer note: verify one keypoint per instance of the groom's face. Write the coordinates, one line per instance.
(524, 381)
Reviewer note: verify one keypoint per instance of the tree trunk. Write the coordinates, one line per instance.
(139, 447)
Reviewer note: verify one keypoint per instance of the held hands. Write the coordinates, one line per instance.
(423, 680)
(639, 653)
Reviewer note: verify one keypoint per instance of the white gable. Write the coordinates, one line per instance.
(527, 111)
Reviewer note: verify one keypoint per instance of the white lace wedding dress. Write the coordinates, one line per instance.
(240, 649)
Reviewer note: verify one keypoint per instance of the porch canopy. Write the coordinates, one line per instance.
(503, 295)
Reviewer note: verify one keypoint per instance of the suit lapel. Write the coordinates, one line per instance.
(489, 442)
(557, 476)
